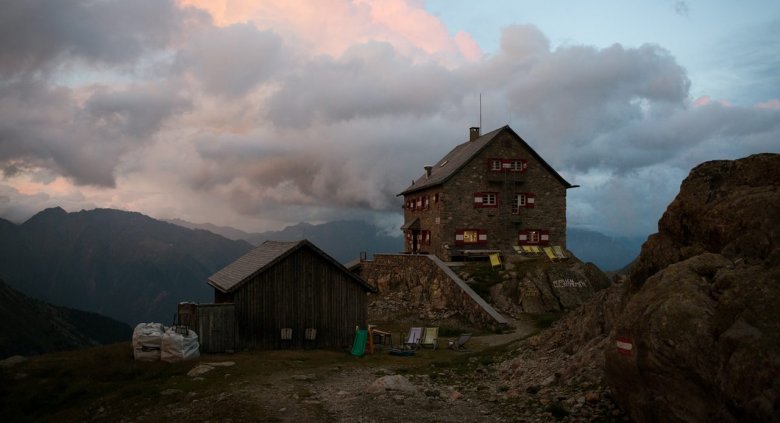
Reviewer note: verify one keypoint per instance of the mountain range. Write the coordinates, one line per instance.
(134, 268)
(344, 240)
(120, 264)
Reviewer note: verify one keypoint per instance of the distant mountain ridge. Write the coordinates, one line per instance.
(344, 240)
(33, 327)
(608, 253)
(134, 268)
(121, 264)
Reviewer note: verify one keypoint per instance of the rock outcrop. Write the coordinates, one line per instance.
(535, 286)
(700, 307)
(693, 334)
(412, 288)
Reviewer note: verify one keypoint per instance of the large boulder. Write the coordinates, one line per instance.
(724, 206)
(537, 286)
(699, 335)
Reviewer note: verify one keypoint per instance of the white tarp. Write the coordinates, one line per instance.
(177, 347)
(147, 341)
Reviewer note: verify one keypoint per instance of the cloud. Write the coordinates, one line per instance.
(230, 60)
(261, 114)
(368, 80)
(37, 35)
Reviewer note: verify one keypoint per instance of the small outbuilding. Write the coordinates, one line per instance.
(292, 285)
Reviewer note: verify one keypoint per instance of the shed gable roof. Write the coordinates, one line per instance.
(266, 256)
(462, 154)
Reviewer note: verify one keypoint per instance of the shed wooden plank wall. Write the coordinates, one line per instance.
(217, 327)
(303, 290)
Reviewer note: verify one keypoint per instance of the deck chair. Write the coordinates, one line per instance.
(285, 339)
(528, 250)
(459, 344)
(559, 252)
(430, 338)
(495, 261)
(413, 338)
(550, 254)
(517, 249)
(536, 250)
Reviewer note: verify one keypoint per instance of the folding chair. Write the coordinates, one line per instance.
(459, 344)
(430, 338)
(413, 338)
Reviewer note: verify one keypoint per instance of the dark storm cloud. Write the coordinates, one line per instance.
(38, 34)
(47, 127)
(572, 94)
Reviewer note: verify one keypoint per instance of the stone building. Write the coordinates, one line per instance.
(487, 194)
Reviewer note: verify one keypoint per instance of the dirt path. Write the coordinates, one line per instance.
(523, 328)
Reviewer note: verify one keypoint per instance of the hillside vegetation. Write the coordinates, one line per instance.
(34, 327)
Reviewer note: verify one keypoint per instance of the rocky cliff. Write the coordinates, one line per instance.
(693, 334)
(700, 307)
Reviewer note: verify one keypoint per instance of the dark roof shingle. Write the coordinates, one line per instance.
(462, 154)
(263, 257)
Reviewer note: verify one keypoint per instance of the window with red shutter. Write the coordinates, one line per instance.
(485, 199)
(533, 237)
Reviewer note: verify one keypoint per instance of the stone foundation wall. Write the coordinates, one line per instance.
(429, 285)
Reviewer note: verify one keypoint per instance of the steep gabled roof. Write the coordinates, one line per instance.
(462, 154)
(264, 257)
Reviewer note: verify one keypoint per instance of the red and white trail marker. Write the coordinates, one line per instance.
(624, 345)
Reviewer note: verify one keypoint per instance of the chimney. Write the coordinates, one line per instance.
(473, 133)
(428, 169)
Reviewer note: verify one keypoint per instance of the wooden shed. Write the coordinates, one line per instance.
(292, 285)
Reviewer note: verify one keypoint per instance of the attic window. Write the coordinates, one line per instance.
(444, 163)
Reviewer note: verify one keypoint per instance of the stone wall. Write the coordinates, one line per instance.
(429, 286)
(455, 207)
(549, 212)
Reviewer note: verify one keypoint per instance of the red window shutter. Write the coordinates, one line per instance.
(478, 200)
(482, 236)
(459, 237)
(530, 200)
(544, 237)
(525, 165)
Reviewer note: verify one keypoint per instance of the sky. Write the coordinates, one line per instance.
(259, 115)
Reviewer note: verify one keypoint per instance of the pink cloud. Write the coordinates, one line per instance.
(773, 104)
(332, 26)
(468, 47)
(706, 100)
